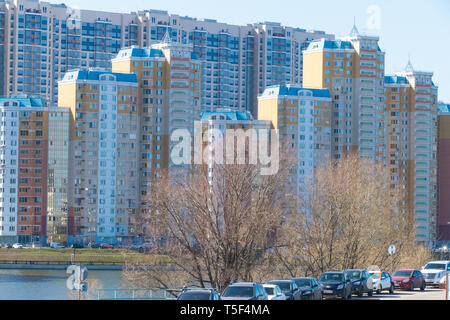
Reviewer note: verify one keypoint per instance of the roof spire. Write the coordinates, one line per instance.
(354, 32)
(409, 67)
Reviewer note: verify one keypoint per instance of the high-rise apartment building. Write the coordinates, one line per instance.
(245, 131)
(411, 131)
(43, 41)
(169, 79)
(34, 170)
(103, 188)
(2, 47)
(391, 120)
(57, 175)
(301, 117)
(40, 41)
(353, 70)
(443, 177)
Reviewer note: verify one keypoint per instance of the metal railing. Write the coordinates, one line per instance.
(135, 294)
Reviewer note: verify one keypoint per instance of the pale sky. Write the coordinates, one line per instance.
(417, 28)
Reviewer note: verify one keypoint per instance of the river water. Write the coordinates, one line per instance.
(51, 284)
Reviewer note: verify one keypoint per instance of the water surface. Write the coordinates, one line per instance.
(51, 284)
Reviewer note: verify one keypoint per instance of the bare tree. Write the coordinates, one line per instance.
(229, 223)
(214, 226)
(348, 220)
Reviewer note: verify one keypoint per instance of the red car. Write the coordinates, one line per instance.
(409, 279)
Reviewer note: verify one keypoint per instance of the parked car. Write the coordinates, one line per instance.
(289, 288)
(56, 245)
(274, 292)
(310, 288)
(106, 246)
(77, 246)
(141, 247)
(435, 272)
(93, 245)
(17, 246)
(336, 284)
(409, 279)
(361, 282)
(199, 294)
(382, 281)
(245, 291)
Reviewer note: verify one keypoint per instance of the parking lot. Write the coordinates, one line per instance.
(428, 294)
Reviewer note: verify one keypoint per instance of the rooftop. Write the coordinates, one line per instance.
(148, 52)
(395, 80)
(24, 101)
(138, 52)
(290, 90)
(229, 115)
(94, 75)
(443, 108)
(323, 43)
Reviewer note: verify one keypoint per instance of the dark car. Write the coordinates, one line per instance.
(76, 246)
(199, 294)
(409, 279)
(361, 282)
(106, 246)
(336, 284)
(93, 245)
(289, 288)
(245, 291)
(310, 288)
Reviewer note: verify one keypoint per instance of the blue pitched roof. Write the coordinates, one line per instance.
(293, 91)
(395, 80)
(330, 44)
(443, 108)
(94, 75)
(35, 102)
(138, 52)
(229, 115)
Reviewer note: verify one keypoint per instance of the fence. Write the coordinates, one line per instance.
(135, 294)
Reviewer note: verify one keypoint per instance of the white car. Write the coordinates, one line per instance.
(56, 245)
(435, 272)
(274, 292)
(382, 281)
(17, 246)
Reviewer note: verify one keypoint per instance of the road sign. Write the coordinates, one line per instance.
(391, 249)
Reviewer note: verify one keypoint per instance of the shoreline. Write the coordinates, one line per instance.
(37, 265)
(19, 266)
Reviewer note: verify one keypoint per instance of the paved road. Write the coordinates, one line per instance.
(428, 294)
